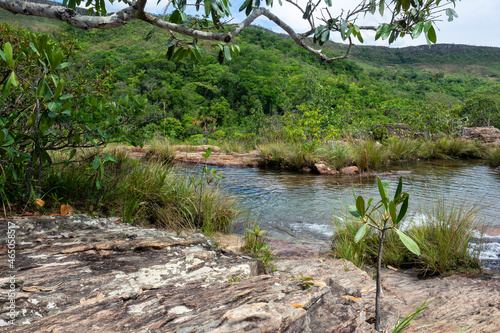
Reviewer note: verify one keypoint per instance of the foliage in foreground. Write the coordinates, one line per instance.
(143, 193)
(383, 216)
(444, 236)
(256, 244)
(45, 106)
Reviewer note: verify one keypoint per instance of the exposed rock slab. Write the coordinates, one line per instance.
(484, 134)
(193, 155)
(83, 274)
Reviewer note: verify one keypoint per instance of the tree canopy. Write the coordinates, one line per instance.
(398, 18)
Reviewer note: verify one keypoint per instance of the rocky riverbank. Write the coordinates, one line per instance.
(81, 274)
(193, 155)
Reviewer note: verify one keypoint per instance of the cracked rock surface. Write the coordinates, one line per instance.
(86, 274)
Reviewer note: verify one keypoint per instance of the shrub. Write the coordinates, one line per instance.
(148, 194)
(219, 135)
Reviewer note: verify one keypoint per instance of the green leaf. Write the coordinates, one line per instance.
(13, 79)
(207, 154)
(2, 136)
(451, 13)
(343, 28)
(65, 97)
(72, 154)
(431, 34)
(63, 65)
(406, 4)
(392, 211)
(96, 163)
(3, 56)
(175, 17)
(360, 205)
(417, 31)
(399, 189)
(328, 2)
(52, 106)
(361, 233)
(109, 158)
(59, 88)
(382, 7)
(354, 211)
(427, 26)
(7, 49)
(307, 12)
(181, 4)
(403, 210)
(227, 53)
(381, 188)
(408, 242)
(170, 52)
(169, 42)
(91, 141)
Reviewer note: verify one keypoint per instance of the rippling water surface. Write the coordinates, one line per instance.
(300, 207)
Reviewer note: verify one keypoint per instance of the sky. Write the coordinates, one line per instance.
(477, 22)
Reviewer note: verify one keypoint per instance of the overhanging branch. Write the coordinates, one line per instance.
(136, 11)
(70, 16)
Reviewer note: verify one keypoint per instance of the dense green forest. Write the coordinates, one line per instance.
(276, 86)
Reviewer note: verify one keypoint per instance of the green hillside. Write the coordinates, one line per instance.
(274, 79)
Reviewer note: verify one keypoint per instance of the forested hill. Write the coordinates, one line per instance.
(475, 59)
(273, 77)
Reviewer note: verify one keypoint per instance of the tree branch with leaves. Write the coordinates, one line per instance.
(399, 18)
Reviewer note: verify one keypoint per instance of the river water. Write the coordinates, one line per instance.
(299, 208)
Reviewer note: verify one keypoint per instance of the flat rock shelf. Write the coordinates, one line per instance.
(82, 274)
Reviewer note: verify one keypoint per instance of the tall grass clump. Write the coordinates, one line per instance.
(494, 157)
(445, 237)
(343, 245)
(293, 156)
(403, 149)
(160, 148)
(147, 194)
(365, 253)
(445, 148)
(337, 154)
(369, 155)
(235, 146)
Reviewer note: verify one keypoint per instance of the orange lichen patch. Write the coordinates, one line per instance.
(297, 305)
(351, 297)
